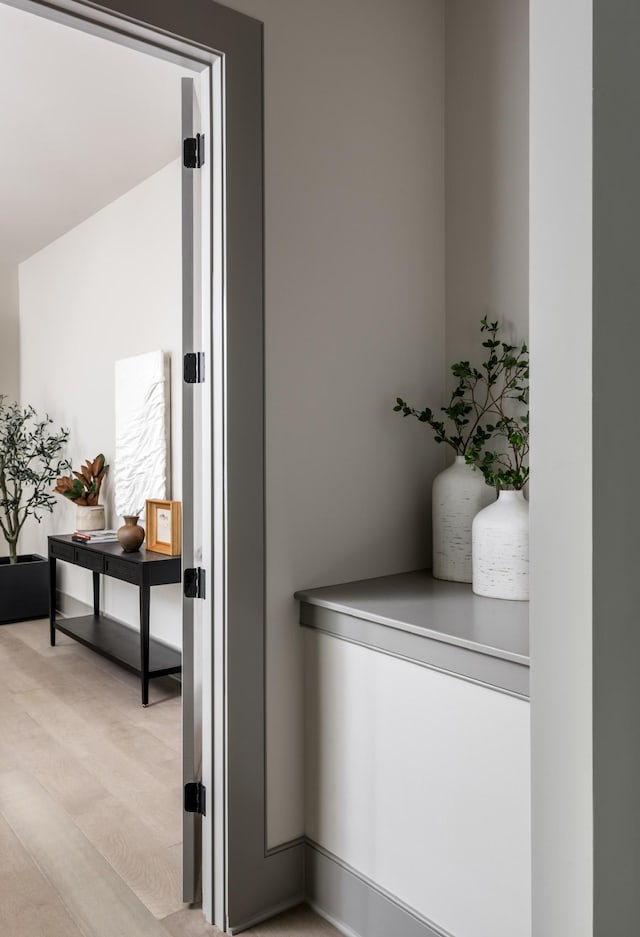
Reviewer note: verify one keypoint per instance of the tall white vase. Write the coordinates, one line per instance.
(501, 548)
(458, 494)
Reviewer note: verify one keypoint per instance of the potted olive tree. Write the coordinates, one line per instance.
(30, 461)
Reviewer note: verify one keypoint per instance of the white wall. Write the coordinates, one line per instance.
(487, 160)
(9, 339)
(420, 781)
(354, 216)
(108, 289)
(561, 552)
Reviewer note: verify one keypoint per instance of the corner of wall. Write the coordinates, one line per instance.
(10, 342)
(9, 329)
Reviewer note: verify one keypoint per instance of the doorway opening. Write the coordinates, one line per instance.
(128, 270)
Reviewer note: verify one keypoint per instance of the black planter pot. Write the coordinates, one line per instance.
(24, 588)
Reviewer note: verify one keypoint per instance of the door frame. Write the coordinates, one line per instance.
(249, 881)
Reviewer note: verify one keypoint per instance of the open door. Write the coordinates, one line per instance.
(197, 534)
(226, 854)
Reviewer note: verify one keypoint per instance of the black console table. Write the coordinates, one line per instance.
(140, 654)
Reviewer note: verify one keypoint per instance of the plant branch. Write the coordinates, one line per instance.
(488, 402)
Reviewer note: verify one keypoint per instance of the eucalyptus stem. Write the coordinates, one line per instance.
(488, 403)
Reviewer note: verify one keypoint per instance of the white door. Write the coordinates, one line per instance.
(196, 449)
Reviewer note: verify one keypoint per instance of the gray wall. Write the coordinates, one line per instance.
(487, 171)
(616, 522)
(561, 492)
(354, 235)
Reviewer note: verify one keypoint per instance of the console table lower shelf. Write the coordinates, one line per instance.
(137, 651)
(120, 644)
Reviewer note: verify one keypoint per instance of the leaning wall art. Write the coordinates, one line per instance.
(143, 421)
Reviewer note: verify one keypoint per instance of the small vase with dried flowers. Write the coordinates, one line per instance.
(84, 490)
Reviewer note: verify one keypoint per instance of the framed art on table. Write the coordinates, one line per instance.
(164, 527)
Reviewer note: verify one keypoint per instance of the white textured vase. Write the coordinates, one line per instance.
(90, 517)
(501, 548)
(458, 494)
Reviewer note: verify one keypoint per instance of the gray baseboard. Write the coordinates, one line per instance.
(67, 606)
(267, 915)
(354, 904)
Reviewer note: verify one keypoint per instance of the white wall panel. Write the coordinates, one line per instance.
(561, 554)
(420, 781)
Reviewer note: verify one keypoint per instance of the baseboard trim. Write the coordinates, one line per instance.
(354, 904)
(266, 915)
(339, 925)
(289, 844)
(68, 606)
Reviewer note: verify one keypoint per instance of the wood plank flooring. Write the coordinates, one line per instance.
(93, 893)
(299, 922)
(91, 800)
(30, 906)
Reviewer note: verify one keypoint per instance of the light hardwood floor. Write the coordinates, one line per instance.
(90, 800)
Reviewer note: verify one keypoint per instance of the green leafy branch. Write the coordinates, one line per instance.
(482, 393)
(505, 468)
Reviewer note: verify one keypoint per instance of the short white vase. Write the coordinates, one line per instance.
(458, 494)
(501, 548)
(90, 517)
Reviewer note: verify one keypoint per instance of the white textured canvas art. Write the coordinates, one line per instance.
(142, 413)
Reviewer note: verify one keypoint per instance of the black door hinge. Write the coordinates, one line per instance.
(194, 580)
(194, 367)
(195, 798)
(193, 151)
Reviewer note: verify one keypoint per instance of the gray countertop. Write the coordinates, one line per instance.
(416, 606)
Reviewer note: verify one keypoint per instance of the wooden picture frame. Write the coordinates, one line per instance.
(164, 527)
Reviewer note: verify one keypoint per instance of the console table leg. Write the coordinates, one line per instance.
(144, 641)
(52, 601)
(96, 594)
